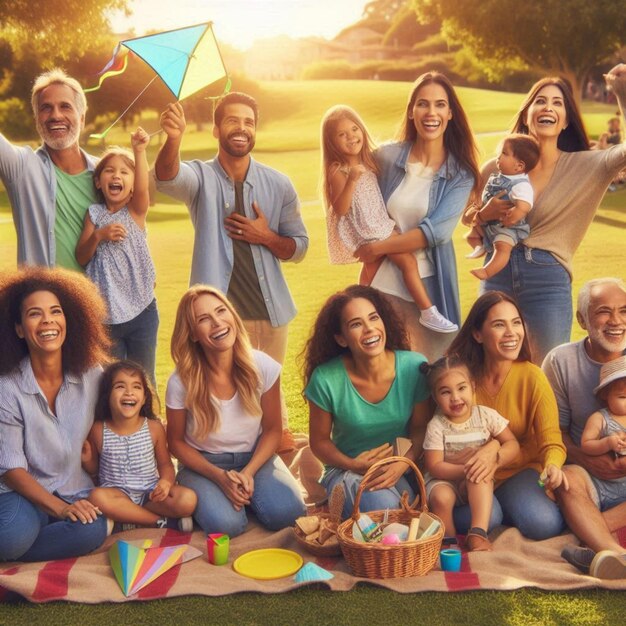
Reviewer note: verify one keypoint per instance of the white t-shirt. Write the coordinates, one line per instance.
(238, 431)
(442, 434)
(522, 189)
(407, 206)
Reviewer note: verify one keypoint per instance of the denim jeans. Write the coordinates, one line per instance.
(136, 339)
(463, 517)
(276, 500)
(29, 534)
(543, 290)
(525, 505)
(370, 500)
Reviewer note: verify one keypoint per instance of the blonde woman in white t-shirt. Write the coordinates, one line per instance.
(224, 419)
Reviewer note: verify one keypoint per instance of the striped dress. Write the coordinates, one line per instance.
(128, 462)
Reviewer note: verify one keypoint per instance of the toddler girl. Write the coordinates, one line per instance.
(114, 251)
(126, 448)
(605, 430)
(355, 210)
(456, 449)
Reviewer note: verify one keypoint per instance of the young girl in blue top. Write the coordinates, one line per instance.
(127, 449)
(114, 251)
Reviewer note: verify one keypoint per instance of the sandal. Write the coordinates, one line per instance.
(476, 540)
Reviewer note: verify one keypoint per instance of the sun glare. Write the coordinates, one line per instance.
(241, 22)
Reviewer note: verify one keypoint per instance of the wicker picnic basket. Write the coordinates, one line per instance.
(409, 558)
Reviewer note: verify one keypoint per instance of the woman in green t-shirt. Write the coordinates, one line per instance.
(364, 390)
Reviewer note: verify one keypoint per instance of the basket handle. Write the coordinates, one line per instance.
(421, 497)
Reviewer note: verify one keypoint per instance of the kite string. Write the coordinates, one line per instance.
(101, 135)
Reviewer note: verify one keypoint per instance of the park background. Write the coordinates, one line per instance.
(368, 65)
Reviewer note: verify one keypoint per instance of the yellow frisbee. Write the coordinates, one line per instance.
(268, 564)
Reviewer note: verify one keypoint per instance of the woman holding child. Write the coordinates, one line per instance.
(224, 419)
(493, 343)
(426, 179)
(364, 390)
(569, 182)
(53, 342)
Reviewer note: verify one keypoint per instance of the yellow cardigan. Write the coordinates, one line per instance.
(527, 401)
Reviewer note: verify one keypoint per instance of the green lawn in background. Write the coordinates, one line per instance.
(288, 139)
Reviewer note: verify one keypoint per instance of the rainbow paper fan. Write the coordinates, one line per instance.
(136, 564)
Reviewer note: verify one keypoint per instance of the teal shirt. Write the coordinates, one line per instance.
(360, 425)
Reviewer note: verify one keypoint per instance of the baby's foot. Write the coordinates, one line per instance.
(480, 273)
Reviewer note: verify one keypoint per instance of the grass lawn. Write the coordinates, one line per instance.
(288, 139)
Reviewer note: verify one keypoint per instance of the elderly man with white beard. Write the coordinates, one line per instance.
(50, 188)
(573, 370)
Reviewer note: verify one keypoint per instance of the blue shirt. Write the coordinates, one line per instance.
(46, 445)
(210, 197)
(449, 194)
(31, 185)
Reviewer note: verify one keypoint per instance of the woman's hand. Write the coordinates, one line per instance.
(161, 490)
(553, 477)
(367, 458)
(367, 253)
(388, 476)
(233, 489)
(244, 479)
(80, 511)
(616, 79)
(483, 463)
(495, 209)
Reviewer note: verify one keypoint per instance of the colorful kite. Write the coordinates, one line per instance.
(186, 60)
(136, 563)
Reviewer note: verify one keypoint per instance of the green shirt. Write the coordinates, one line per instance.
(359, 425)
(75, 194)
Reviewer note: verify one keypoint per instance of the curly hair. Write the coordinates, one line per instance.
(465, 345)
(150, 406)
(194, 371)
(571, 139)
(321, 346)
(458, 138)
(86, 343)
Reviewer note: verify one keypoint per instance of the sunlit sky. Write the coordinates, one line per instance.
(240, 22)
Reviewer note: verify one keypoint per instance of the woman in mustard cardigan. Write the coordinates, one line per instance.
(493, 343)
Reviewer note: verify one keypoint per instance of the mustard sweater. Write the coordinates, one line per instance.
(527, 401)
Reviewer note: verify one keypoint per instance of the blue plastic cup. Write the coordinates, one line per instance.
(450, 560)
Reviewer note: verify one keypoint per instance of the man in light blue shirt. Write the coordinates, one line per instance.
(50, 189)
(246, 218)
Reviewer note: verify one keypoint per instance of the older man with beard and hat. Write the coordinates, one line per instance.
(573, 370)
(50, 188)
(246, 218)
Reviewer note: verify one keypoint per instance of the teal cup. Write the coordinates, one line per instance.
(450, 560)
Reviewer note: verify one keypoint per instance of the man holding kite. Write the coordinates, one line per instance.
(246, 218)
(51, 188)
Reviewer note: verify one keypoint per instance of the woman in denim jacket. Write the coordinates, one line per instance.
(426, 179)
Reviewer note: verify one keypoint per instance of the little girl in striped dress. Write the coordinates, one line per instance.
(127, 450)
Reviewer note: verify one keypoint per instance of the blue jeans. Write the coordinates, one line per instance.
(526, 506)
(543, 290)
(463, 517)
(276, 500)
(29, 534)
(136, 339)
(380, 499)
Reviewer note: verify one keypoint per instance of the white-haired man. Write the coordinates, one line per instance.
(50, 188)
(573, 370)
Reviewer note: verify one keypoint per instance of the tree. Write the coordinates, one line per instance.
(55, 28)
(560, 37)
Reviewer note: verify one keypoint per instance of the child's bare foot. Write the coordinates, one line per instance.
(480, 273)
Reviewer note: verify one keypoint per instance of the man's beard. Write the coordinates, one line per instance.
(237, 151)
(58, 143)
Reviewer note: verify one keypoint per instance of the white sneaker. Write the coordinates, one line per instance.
(110, 526)
(185, 524)
(476, 253)
(608, 565)
(431, 318)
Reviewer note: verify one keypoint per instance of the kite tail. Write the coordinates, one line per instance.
(114, 67)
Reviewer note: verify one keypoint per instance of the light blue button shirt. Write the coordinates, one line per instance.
(45, 444)
(210, 196)
(31, 185)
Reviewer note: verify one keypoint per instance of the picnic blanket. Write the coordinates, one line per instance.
(515, 562)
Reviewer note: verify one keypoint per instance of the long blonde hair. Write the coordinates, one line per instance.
(329, 151)
(193, 368)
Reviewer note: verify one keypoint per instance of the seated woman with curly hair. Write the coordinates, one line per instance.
(53, 345)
